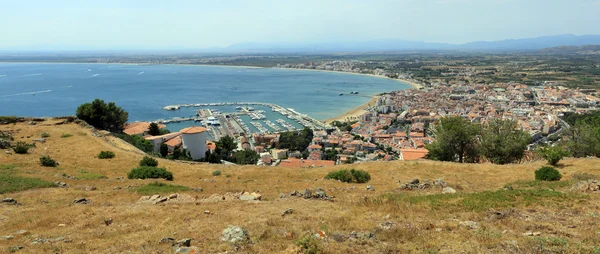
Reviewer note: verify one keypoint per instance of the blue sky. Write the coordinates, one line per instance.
(153, 24)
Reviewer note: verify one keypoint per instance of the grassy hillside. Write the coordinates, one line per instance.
(386, 220)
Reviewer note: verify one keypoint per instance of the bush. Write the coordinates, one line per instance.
(21, 147)
(349, 176)
(148, 161)
(45, 135)
(137, 141)
(66, 135)
(106, 155)
(547, 174)
(216, 173)
(105, 116)
(159, 188)
(46, 161)
(553, 154)
(145, 172)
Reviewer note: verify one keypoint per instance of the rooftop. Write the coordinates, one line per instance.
(193, 130)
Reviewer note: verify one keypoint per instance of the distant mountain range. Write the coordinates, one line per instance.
(526, 44)
(582, 50)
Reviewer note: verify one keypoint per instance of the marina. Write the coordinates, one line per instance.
(241, 118)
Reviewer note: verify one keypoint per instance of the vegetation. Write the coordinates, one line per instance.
(153, 129)
(9, 182)
(45, 135)
(212, 157)
(160, 188)
(349, 176)
(144, 172)
(66, 135)
(105, 116)
(84, 175)
(227, 144)
(216, 173)
(245, 157)
(309, 244)
(10, 119)
(46, 161)
(137, 141)
(502, 142)
(295, 140)
(344, 126)
(148, 161)
(21, 147)
(179, 154)
(455, 140)
(106, 155)
(164, 150)
(553, 154)
(547, 174)
(583, 138)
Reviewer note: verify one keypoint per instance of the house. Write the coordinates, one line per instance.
(279, 154)
(313, 148)
(139, 128)
(413, 154)
(157, 140)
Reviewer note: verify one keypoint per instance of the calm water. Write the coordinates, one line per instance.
(32, 89)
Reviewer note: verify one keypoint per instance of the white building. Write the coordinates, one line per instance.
(194, 141)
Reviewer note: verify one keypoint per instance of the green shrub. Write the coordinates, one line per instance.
(21, 147)
(45, 135)
(349, 176)
(66, 135)
(148, 161)
(553, 154)
(106, 155)
(46, 161)
(216, 173)
(547, 174)
(145, 172)
(308, 244)
(159, 188)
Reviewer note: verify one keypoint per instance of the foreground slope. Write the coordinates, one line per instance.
(480, 217)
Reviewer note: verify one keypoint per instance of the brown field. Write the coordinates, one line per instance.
(424, 221)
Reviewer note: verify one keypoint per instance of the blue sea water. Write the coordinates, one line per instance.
(43, 89)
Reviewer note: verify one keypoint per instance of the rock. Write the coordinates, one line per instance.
(370, 188)
(206, 212)
(187, 250)
(61, 184)
(15, 248)
(9, 201)
(32, 123)
(187, 242)
(250, 196)
(414, 181)
(387, 225)
(6, 237)
(448, 190)
(22, 232)
(294, 193)
(198, 190)
(41, 140)
(7, 152)
(81, 201)
(287, 211)
(90, 188)
(508, 188)
(386, 217)
(108, 221)
(167, 240)
(532, 233)
(235, 234)
(173, 196)
(281, 195)
(468, 224)
(361, 235)
(62, 225)
(319, 193)
(154, 197)
(440, 182)
(161, 200)
(117, 188)
(307, 193)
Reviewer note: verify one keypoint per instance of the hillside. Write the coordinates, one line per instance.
(482, 217)
(581, 50)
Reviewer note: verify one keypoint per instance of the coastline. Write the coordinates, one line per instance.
(353, 114)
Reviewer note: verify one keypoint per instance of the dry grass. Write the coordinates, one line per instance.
(425, 220)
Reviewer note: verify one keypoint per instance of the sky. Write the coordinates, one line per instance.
(196, 24)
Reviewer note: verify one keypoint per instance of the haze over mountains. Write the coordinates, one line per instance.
(401, 45)
(391, 45)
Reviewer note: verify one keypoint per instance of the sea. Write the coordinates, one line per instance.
(57, 89)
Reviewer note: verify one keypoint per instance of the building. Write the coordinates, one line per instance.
(158, 140)
(139, 128)
(194, 141)
(278, 154)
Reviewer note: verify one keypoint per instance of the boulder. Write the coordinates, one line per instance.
(307, 193)
(167, 240)
(81, 201)
(414, 181)
(250, 196)
(448, 190)
(370, 188)
(187, 242)
(235, 234)
(319, 193)
(468, 224)
(281, 195)
(287, 211)
(187, 250)
(9, 201)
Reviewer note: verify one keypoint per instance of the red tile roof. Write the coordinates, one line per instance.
(193, 130)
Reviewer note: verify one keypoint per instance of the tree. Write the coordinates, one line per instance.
(245, 157)
(212, 157)
(164, 150)
(148, 161)
(227, 143)
(502, 142)
(103, 116)
(153, 129)
(455, 140)
(583, 140)
(553, 154)
(295, 140)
